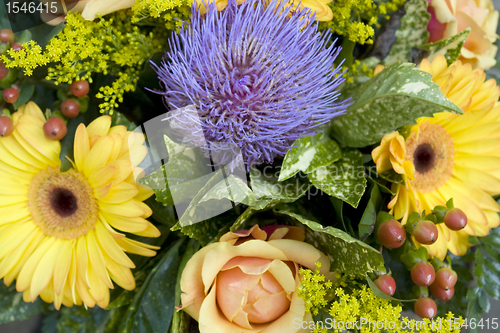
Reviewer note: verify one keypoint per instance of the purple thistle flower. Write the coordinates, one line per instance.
(260, 77)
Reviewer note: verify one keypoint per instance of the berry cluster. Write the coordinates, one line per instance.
(71, 102)
(426, 273)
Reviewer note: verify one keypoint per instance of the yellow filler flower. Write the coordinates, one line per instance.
(57, 229)
(451, 156)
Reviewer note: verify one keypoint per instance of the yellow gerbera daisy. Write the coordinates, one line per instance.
(57, 229)
(452, 156)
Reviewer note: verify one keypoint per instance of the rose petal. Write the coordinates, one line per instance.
(192, 283)
(302, 253)
(223, 252)
(249, 265)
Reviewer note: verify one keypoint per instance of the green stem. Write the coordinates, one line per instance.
(346, 53)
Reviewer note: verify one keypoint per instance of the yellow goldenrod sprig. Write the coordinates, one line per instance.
(313, 289)
(172, 12)
(355, 19)
(355, 302)
(113, 46)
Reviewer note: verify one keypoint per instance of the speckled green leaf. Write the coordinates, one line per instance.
(265, 186)
(395, 97)
(153, 306)
(449, 47)
(347, 254)
(92, 320)
(231, 188)
(411, 33)
(210, 229)
(12, 306)
(310, 153)
(344, 179)
(199, 210)
(182, 177)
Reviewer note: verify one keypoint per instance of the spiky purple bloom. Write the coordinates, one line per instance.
(259, 76)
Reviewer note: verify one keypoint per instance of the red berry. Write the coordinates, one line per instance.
(386, 284)
(425, 307)
(55, 128)
(446, 278)
(442, 294)
(6, 35)
(425, 232)
(6, 126)
(423, 274)
(10, 95)
(70, 108)
(4, 71)
(455, 219)
(16, 47)
(80, 88)
(391, 234)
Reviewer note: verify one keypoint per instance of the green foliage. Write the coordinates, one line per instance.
(347, 254)
(411, 33)
(267, 188)
(449, 47)
(393, 98)
(153, 306)
(12, 306)
(209, 230)
(344, 179)
(487, 271)
(309, 154)
(367, 223)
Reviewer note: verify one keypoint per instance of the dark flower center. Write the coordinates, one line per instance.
(63, 202)
(424, 158)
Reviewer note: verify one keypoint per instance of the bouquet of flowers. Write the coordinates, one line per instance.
(273, 166)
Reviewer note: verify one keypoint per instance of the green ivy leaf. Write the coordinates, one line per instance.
(182, 177)
(265, 186)
(343, 179)
(26, 91)
(309, 154)
(449, 47)
(367, 223)
(12, 306)
(153, 306)
(209, 230)
(231, 188)
(81, 320)
(395, 97)
(412, 31)
(347, 254)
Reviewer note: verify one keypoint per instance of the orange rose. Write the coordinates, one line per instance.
(247, 282)
(449, 17)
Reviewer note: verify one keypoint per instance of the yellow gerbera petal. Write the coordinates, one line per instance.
(100, 126)
(55, 240)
